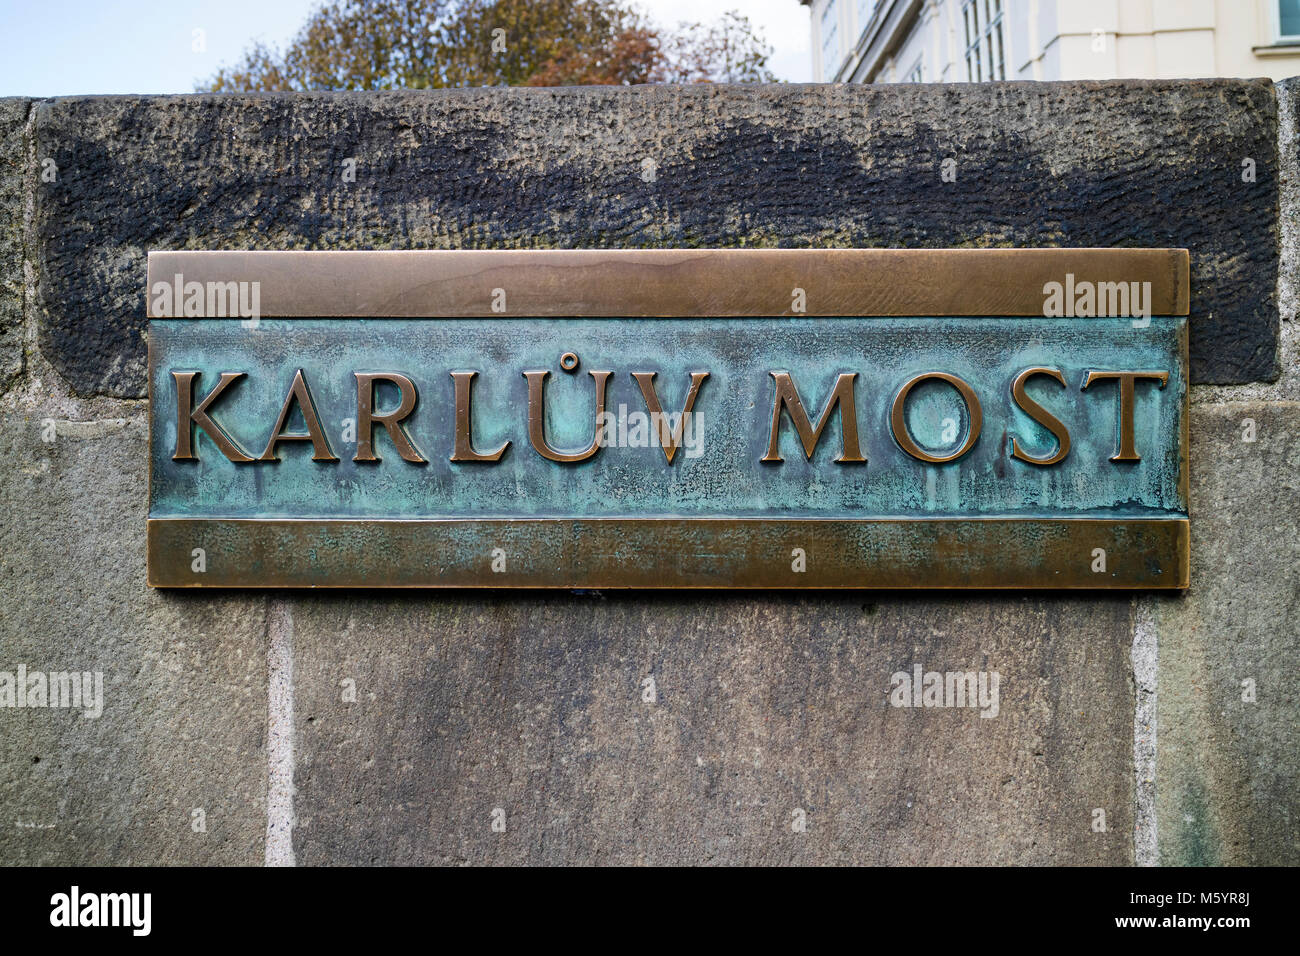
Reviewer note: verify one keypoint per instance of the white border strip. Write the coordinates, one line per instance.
(1146, 662)
(279, 735)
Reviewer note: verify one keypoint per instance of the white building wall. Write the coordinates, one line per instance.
(1065, 40)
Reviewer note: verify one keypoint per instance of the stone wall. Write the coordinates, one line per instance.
(228, 735)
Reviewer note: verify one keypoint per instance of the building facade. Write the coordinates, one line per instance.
(959, 41)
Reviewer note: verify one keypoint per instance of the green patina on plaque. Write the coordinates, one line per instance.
(435, 437)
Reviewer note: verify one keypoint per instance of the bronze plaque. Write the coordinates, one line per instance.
(869, 418)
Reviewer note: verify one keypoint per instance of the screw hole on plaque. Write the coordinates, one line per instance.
(569, 361)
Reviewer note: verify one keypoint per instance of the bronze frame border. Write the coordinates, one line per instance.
(703, 284)
(670, 282)
(661, 553)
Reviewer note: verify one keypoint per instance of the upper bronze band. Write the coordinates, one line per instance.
(672, 282)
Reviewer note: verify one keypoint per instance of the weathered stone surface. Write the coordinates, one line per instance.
(1076, 164)
(764, 704)
(1287, 385)
(184, 680)
(13, 120)
(1227, 769)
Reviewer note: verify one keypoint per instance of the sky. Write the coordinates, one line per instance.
(70, 47)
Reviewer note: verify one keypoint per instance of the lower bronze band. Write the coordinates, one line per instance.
(671, 552)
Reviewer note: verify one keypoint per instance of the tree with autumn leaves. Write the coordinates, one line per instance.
(434, 44)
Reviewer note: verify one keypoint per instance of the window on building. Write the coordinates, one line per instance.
(917, 73)
(867, 7)
(830, 40)
(984, 56)
(1288, 20)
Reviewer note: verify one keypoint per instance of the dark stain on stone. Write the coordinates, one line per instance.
(1076, 164)
(1196, 842)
